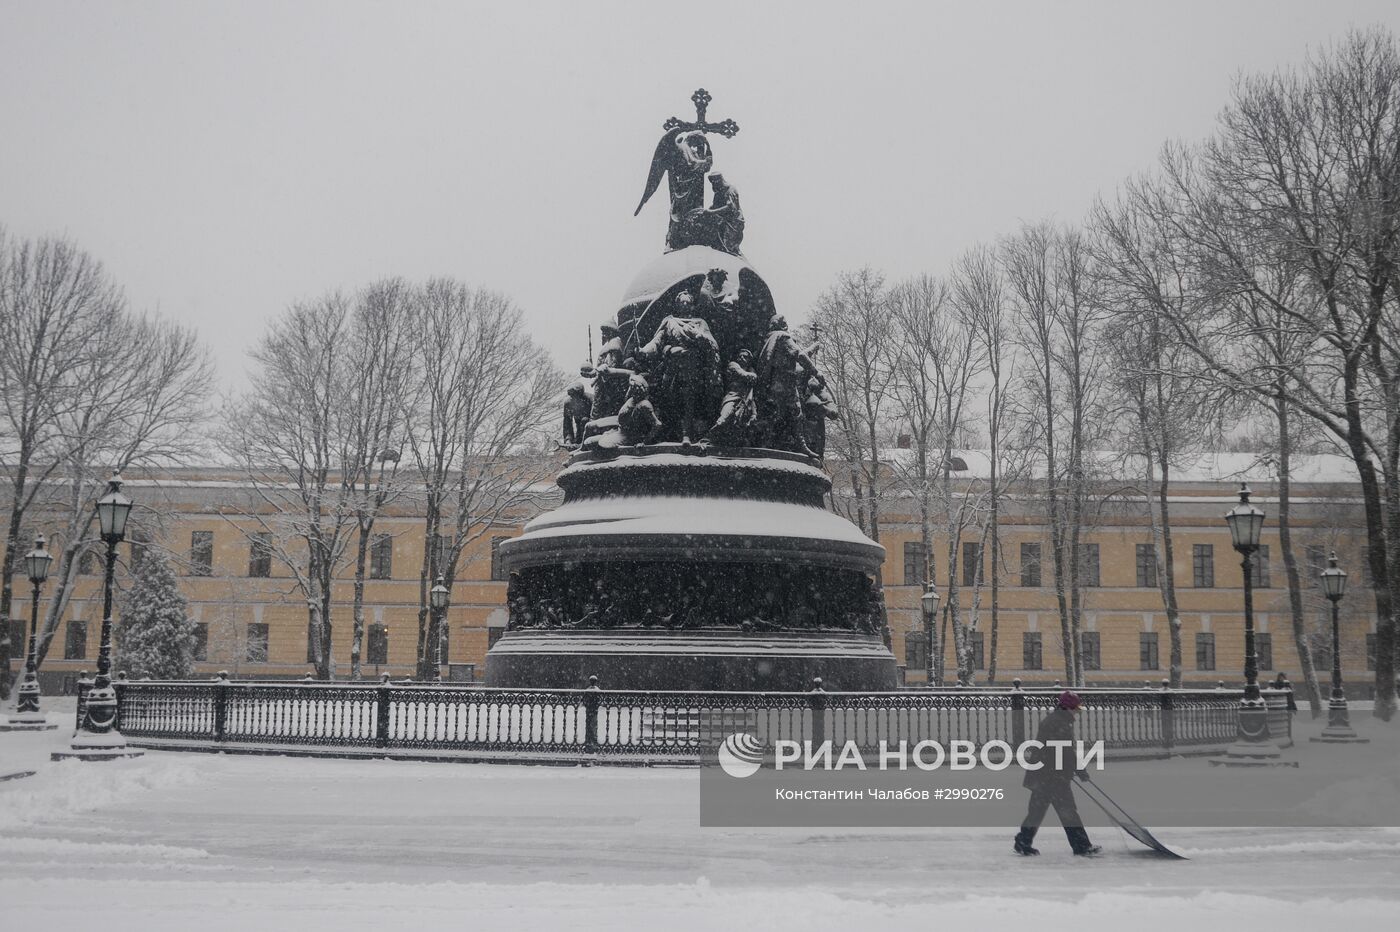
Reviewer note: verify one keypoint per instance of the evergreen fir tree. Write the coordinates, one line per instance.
(156, 636)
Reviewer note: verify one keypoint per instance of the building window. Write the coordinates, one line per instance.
(1147, 651)
(201, 553)
(1089, 564)
(1370, 652)
(497, 571)
(1259, 567)
(1320, 645)
(1205, 651)
(75, 641)
(1147, 566)
(19, 646)
(1203, 566)
(979, 655)
(1030, 568)
(1089, 655)
(1031, 656)
(381, 557)
(915, 563)
(972, 563)
(260, 554)
(201, 642)
(378, 645)
(1264, 650)
(255, 645)
(87, 562)
(1315, 555)
(915, 650)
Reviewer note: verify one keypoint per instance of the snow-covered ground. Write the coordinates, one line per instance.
(214, 842)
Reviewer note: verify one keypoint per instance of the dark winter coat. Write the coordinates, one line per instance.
(1057, 726)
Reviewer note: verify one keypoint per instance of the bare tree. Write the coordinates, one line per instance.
(479, 431)
(286, 433)
(84, 387)
(140, 403)
(859, 365)
(1304, 172)
(1057, 319)
(375, 415)
(980, 298)
(1168, 408)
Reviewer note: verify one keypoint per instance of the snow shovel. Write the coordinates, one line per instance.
(1119, 816)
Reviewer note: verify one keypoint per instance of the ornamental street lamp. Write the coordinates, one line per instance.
(1338, 730)
(27, 716)
(98, 737)
(929, 603)
(1253, 746)
(438, 597)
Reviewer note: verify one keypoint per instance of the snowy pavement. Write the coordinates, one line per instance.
(214, 842)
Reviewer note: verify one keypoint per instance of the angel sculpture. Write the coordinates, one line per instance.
(683, 155)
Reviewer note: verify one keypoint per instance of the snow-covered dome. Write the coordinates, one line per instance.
(657, 289)
(672, 267)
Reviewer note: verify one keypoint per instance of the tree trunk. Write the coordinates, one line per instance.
(995, 533)
(426, 627)
(7, 571)
(1166, 572)
(1290, 563)
(357, 632)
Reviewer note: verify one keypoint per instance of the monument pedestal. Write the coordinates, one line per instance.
(693, 568)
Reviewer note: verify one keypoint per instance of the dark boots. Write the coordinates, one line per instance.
(1079, 841)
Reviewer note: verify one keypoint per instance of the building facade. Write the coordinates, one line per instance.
(253, 620)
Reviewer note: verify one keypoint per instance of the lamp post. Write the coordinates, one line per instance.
(1253, 746)
(27, 716)
(929, 603)
(1338, 730)
(438, 597)
(98, 738)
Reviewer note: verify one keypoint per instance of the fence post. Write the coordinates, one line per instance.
(590, 715)
(1168, 714)
(381, 713)
(220, 705)
(119, 693)
(84, 684)
(817, 700)
(1018, 714)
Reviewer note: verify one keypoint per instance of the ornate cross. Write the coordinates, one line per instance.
(727, 128)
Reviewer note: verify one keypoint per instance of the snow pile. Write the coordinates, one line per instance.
(74, 787)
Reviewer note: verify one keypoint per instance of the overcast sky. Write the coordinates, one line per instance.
(224, 160)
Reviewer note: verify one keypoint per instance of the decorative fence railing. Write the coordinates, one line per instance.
(427, 720)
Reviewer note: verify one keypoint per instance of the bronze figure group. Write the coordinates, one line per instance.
(679, 388)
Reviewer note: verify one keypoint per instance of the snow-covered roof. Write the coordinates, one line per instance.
(1203, 468)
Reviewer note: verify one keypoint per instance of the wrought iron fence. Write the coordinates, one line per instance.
(593, 723)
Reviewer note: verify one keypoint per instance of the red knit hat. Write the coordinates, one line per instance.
(1069, 700)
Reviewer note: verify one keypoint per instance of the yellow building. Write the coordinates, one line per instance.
(253, 620)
